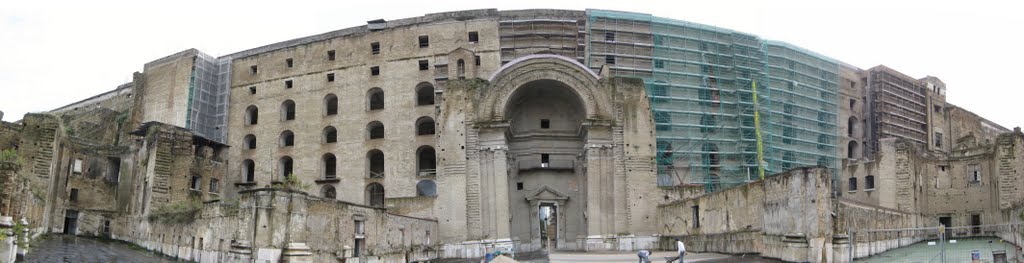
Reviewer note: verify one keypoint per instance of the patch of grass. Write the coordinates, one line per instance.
(176, 213)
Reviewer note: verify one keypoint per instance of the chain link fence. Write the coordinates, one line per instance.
(980, 243)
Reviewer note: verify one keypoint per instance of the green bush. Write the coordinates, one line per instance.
(177, 213)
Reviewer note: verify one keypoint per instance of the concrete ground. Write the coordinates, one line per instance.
(62, 248)
(657, 257)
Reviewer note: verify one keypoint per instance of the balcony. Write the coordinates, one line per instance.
(426, 173)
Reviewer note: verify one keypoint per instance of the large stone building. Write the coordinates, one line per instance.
(453, 134)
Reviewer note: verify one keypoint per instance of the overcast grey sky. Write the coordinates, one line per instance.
(57, 52)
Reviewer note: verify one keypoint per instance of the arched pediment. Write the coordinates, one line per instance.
(543, 67)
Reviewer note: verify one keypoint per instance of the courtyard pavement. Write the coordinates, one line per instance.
(62, 248)
(657, 257)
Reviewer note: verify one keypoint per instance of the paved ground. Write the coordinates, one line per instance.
(956, 250)
(61, 248)
(658, 257)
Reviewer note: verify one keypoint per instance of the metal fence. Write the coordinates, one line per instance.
(980, 243)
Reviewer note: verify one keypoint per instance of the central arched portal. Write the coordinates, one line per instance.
(546, 181)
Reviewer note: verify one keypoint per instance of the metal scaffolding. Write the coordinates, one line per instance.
(701, 81)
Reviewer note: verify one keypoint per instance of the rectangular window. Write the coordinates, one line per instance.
(375, 48)
(609, 59)
(545, 123)
(214, 185)
(609, 36)
(360, 238)
(252, 90)
(937, 108)
(853, 103)
(974, 173)
(869, 182)
(476, 60)
(474, 37)
(424, 65)
(853, 184)
(424, 41)
(942, 168)
(659, 63)
(545, 160)
(330, 55)
(330, 77)
(114, 169)
(938, 140)
(696, 216)
(289, 62)
(519, 186)
(287, 84)
(74, 195)
(253, 70)
(374, 71)
(196, 182)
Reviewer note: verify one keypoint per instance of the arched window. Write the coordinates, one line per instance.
(852, 149)
(707, 123)
(461, 69)
(287, 139)
(249, 170)
(425, 94)
(249, 141)
(851, 126)
(375, 195)
(424, 126)
(330, 135)
(426, 188)
(375, 162)
(328, 192)
(426, 161)
(331, 104)
(375, 99)
(329, 165)
(285, 166)
(287, 110)
(375, 130)
(251, 115)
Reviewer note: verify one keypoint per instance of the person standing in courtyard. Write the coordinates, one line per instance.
(681, 248)
(644, 256)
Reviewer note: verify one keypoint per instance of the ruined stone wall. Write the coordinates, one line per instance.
(164, 88)
(1009, 164)
(785, 216)
(264, 222)
(853, 217)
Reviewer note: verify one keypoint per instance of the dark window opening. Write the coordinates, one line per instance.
(609, 59)
(250, 141)
(696, 216)
(375, 195)
(214, 185)
(545, 160)
(114, 169)
(375, 48)
(287, 139)
(251, 115)
(252, 90)
(287, 84)
(869, 182)
(330, 166)
(330, 55)
(426, 161)
(519, 186)
(286, 166)
(329, 192)
(331, 105)
(424, 41)
(74, 195)
(853, 103)
(476, 60)
(288, 110)
(460, 67)
(289, 62)
(975, 224)
(196, 183)
(545, 123)
(253, 70)
(852, 184)
(374, 71)
(424, 126)
(425, 94)
(330, 135)
(609, 36)
(249, 170)
(375, 130)
(376, 163)
(330, 77)
(474, 37)
(938, 140)
(376, 99)
(424, 65)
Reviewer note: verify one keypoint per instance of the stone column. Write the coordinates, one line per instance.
(8, 249)
(494, 190)
(297, 253)
(241, 251)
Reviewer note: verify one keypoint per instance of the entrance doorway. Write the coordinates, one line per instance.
(947, 222)
(975, 223)
(70, 222)
(548, 215)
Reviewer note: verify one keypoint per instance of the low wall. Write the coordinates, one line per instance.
(786, 216)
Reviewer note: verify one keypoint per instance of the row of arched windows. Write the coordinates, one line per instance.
(426, 163)
(374, 130)
(374, 192)
(374, 101)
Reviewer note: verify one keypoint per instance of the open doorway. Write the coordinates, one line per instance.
(548, 225)
(70, 222)
(947, 222)
(975, 224)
